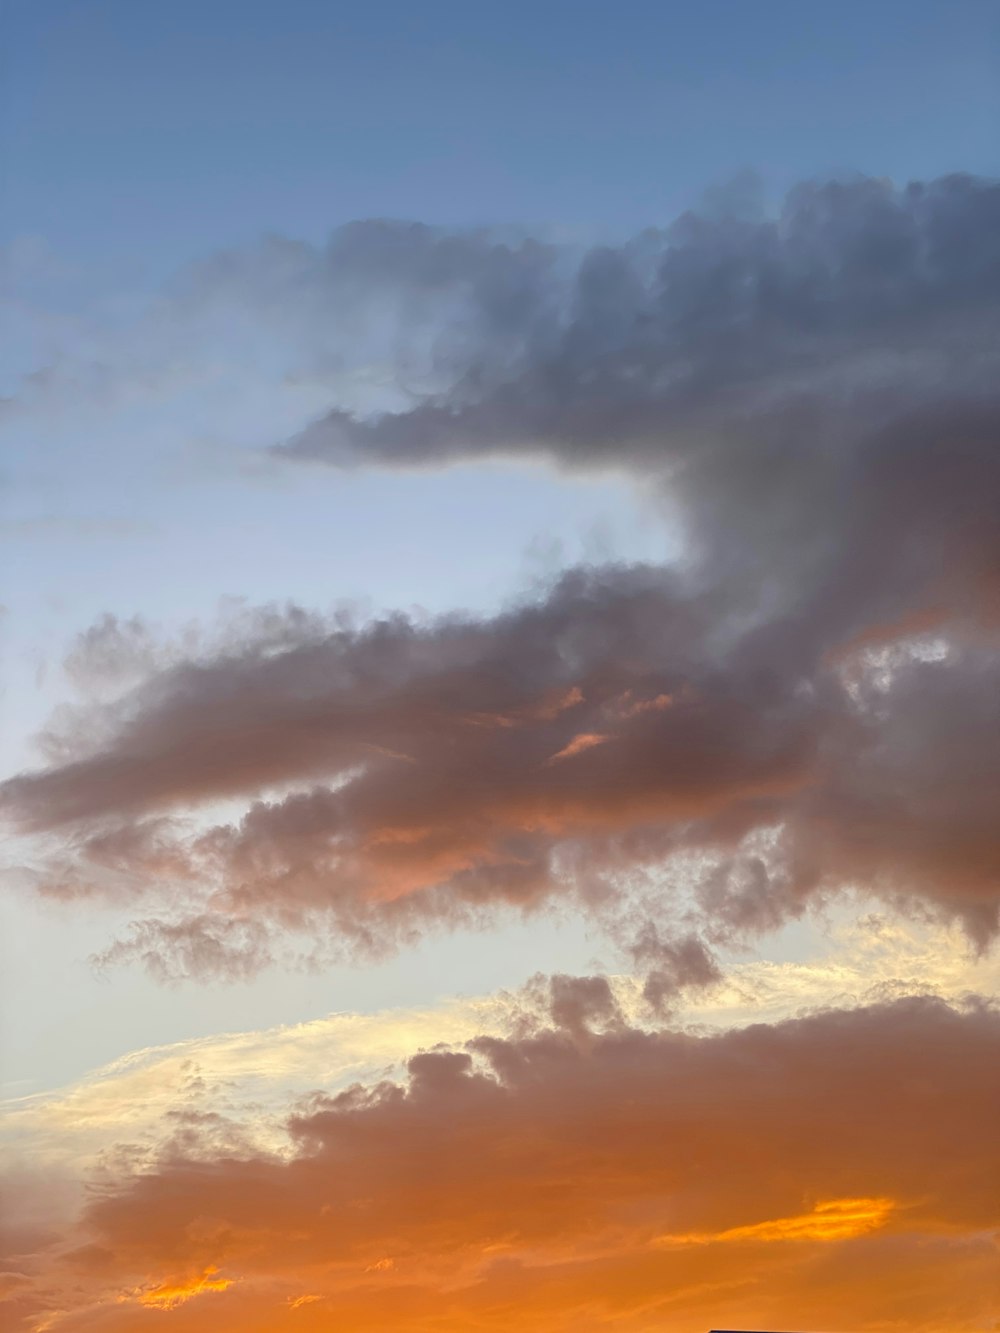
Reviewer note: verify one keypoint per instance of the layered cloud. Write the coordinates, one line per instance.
(835, 1170)
(392, 775)
(816, 387)
(804, 704)
(248, 1077)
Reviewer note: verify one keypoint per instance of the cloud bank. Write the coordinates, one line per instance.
(816, 387)
(804, 705)
(397, 775)
(838, 1167)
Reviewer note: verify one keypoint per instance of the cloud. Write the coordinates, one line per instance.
(811, 395)
(794, 384)
(274, 331)
(577, 745)
(389, 776)
(803, 705)
(168, 1295)
(204, 946)
(249, 1077)
(647, 1178)
(12, 1283)
(836, 1219)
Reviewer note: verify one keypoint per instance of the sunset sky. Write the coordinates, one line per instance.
(500, 666)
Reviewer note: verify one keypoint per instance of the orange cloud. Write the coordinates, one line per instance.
(630, 707)
(586, 740)
(837, 1219)
(839, 1170)
(168, 1295)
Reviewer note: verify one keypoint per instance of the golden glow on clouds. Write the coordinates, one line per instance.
(838, 1219)
(243, 1265)
(831, 1171)
(585, 741)
(854, 964)
(168, 1295)
(633, 707)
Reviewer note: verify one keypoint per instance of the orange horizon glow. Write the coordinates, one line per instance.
(525, 1181)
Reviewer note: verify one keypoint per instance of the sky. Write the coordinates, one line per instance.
(498, 666)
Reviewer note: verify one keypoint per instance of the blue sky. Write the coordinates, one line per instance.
(145, 135)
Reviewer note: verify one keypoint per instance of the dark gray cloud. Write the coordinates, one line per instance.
(816, 388)
(646, 352)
